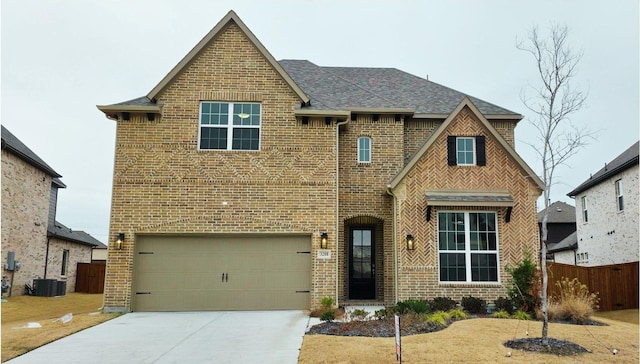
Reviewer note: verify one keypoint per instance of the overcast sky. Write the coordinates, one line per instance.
(62, 58)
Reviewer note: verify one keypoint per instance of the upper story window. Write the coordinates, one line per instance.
(364, 150)
(619, 195)
(468, 246)
(585, 215)
(230, 125)
(466, 151)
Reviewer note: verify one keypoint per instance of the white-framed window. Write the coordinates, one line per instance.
(585, 214)
(230, 125)
(65, 262)
(468, 246)
(364, 150)
(465, 151)
(619, 195)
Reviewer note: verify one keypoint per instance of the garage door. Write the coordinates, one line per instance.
(189, 273)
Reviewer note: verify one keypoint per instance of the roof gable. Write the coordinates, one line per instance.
(466, 102)
(11, 143)
(627, 159)
(559, 213)
(210, 37)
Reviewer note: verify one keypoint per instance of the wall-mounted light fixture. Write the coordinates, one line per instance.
(324, 240)
(411, 243)
(119, 242)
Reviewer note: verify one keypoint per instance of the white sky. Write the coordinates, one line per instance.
(61, 58)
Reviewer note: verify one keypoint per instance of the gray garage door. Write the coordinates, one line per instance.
(193, 273)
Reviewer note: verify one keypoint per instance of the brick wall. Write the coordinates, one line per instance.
(164, 184)
(78, 253)
(25, 205)
(418, 273)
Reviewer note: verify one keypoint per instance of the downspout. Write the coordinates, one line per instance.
(338, 124)
(395, 245)
(46, 258)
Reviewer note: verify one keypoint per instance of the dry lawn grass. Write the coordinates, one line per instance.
(20, 310)
(481, 341)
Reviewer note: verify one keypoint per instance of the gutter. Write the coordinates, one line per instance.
(338, 124)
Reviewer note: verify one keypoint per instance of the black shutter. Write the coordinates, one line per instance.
(481, 156)
(451, 150)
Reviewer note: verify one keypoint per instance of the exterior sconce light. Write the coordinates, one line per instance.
(119, 242)
(324, 237)
(411, 243)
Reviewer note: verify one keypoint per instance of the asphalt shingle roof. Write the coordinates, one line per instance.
(62, 232)
(568, 243)
(357, 87)
(11, 143)
(627, 159)
(559, 212)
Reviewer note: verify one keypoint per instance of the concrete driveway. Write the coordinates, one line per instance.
(182, 337)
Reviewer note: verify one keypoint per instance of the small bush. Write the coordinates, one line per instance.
(457, 314)
(382, 314)
(474, 305)
(504, 304)
(327, 302)
(328, 316)
(442, 304)
(411, 305)
(439, 317)
(502, 314)
(521, 315)
(358, 315)
(523, 278)
(574, 303)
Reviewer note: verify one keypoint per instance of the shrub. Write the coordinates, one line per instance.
(442, 304)
(504, 304)
(502, 314)
(521, 315)
(457, 314)
(523, 280)
(474, 305)
(327, 302)
(382, 314)
(574, 303)
(328, 316)
(358, 315)
(439, 317)
(412, 305)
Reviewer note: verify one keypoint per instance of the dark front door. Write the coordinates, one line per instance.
(362, 268)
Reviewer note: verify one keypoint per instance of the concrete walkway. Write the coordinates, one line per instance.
(182, 337)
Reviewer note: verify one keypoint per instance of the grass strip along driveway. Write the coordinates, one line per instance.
(19, 311)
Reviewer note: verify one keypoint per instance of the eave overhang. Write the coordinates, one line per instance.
(455, 198)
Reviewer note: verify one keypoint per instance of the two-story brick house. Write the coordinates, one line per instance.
(241, 182)
(34, 244)
(606, 215)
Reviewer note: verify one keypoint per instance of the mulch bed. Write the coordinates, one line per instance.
(386, 328)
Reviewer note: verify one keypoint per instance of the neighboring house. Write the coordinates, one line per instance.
(241, 182)
(606, 215)
(561, 223)
(99, 254)
(31, 236)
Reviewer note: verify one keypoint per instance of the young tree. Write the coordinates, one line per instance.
(552, 100)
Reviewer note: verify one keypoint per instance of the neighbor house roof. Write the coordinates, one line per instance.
(627, 159)
(11, 143)
(568, 243)
(559, 213)
(62, 232)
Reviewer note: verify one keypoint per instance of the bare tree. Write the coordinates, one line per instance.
(552, 100)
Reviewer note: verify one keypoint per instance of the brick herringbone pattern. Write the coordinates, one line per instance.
(419, 273)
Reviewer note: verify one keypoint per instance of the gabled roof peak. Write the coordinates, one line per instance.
(213, 33)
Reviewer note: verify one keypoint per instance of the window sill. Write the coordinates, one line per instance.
(469, 284)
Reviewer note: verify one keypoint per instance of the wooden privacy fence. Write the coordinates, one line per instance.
(617, 285)
(90, 277)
